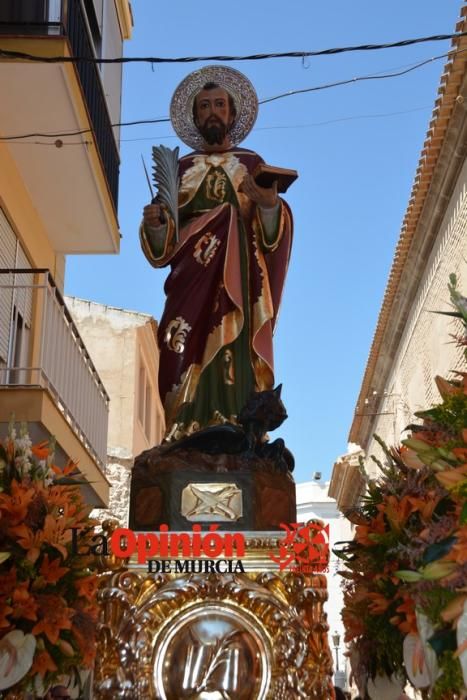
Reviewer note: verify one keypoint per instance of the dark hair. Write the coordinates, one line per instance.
(339, 693)
(214, 86)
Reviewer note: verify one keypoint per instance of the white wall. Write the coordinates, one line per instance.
(111, 73)
(426, 348)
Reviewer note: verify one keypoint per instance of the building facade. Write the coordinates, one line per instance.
(58, 150)
(123, 345)
(413, 344)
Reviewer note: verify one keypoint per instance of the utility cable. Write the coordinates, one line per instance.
(289, 93)
(357, 79)
(251, 57)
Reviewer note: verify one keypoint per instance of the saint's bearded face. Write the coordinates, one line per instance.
(213, 114)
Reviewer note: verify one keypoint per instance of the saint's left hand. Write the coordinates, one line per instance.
(265, 197)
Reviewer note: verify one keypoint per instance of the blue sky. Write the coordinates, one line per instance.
(356, 148)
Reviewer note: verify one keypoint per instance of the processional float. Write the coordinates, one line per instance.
(214, 591)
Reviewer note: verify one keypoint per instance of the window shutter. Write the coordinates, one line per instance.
(23, 301)
(7, 260)
(12, 255)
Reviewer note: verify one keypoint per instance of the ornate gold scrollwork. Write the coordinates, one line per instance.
(205, 249)
(248, 637)
(176, 333)
(216, 185)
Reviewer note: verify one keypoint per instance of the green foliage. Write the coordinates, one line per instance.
(386, 646)
(406, 558)
(450, 678)
(435, 601)
(457, 300)
(451, 414)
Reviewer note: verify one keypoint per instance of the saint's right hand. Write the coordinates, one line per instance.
(152, 215)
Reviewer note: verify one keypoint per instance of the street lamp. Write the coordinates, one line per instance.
(336, 641)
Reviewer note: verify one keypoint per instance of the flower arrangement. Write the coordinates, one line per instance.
(48, 608)
(405, 583)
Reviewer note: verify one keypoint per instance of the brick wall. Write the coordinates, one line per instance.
(426, 348)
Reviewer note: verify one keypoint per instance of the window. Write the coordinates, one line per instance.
(15, 306)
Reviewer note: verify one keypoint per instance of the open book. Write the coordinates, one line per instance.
(265, 175)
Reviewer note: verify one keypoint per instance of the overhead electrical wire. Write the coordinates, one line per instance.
(61, 134)
(310, 125)
(289, 93)
(155, 137)
(251, 57)
(361, 78)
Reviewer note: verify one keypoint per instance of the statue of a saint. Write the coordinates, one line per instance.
(228, 263)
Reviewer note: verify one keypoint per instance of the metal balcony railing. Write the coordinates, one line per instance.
(32, 311)
(68, 18)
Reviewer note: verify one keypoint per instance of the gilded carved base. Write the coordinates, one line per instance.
(259, 635)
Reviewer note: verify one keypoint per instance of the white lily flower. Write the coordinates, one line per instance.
(16, 655)
(462, 640)
(414, 661)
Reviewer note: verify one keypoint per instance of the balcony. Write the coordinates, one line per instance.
(47, 377)
(59, 174)
(347, 481)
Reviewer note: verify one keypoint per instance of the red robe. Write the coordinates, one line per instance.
(223, 293)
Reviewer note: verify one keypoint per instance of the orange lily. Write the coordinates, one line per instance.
(407, 611)
(5, 610)
(398, 511)
(54, 616)
(376, 526)
(43, 663)
(27, 539)
(51, 570)
(24, 603)
(57, 496)
(425, 506)
(379, 603)
(57, 534)
(87, 587)
(54, 532)
(16, 503)
(354, 626)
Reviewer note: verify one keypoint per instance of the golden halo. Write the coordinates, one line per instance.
(236, 84)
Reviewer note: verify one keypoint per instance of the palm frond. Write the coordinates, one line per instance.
(166, 178)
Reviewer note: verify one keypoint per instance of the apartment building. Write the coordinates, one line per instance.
(59, 169)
